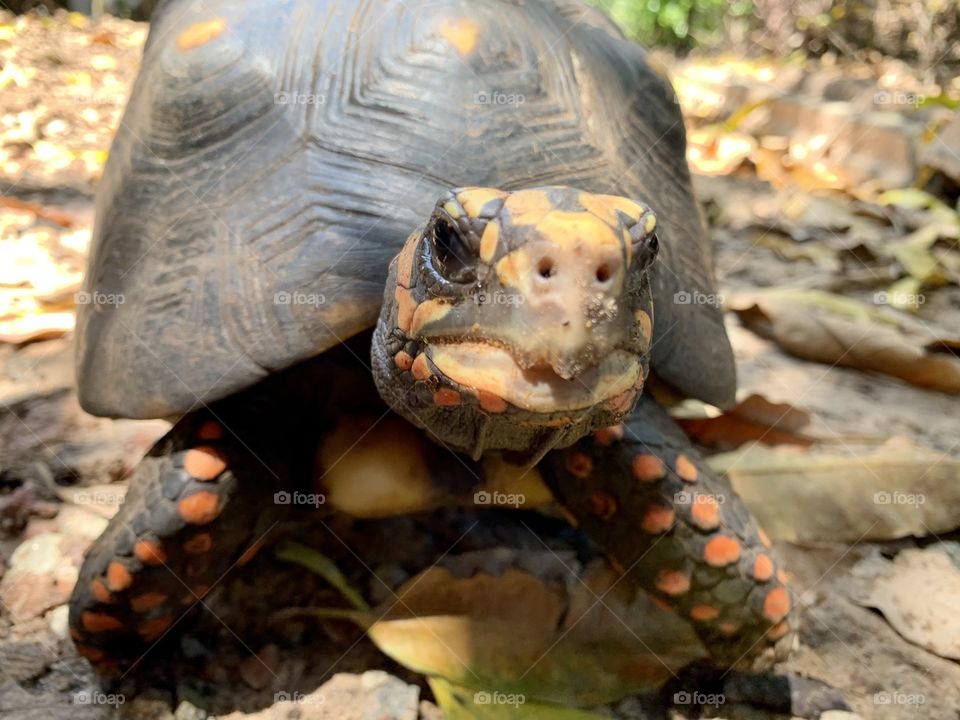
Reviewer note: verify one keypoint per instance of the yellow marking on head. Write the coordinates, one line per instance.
(427, 312)
(513, 268)
(650, 224)
(489, 241)
(462, 33)
(645, 322)
(453, 210)
(200, 33)
(570, 229)
(605, 207)
(405, 261)
(473, 199)
(406, 306)
(527, 207)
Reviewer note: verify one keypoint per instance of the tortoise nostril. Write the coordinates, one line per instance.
(546, 268)
(603, 273)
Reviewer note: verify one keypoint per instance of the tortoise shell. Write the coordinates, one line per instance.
(275, 154)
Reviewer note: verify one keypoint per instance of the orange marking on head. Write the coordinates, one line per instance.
(403, 361)
(250, 553)
(579, 465)
(420, 367)
(763, 567)
(462, 33)
(406, 306)
(657, 519)
(721, 551)
(99, 622)
(490, 402)
(778, 630)
(603, 504)
(447, 397)
(704, 613)
(685, 468)
(705, 512)
(198, 544)
(673, 582)
(609, 435)
(153, 628)
(147, 601)
(764, 538)
(623, 402)
(200, 508)
(776, 604)
(150, 552)
(210, 430)
(200, 33)
(647, 468)
(90, 653)
(100, 592)
(204, 463)
(118, 577)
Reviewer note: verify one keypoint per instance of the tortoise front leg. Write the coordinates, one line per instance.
(646, 497)
(191, 515)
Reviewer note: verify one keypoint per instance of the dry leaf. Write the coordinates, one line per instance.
(831, 329)
(928, 618)
(753, 419)
(894, 491)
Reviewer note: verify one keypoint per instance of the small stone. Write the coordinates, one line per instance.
(57, 619)
(259, 670)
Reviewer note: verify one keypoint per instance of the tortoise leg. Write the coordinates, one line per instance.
(186, 521)
(645, 496)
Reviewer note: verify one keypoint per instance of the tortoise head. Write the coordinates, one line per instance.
(518, 321)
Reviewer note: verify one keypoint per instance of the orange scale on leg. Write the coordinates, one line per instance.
(200, 508)
(685, 469)
(763, 567)
(776, 605)
(647, 468)
(657, 519)
(704, 613)
(210, 430)
(673, 582)
(579, 465)
(147, 601)
(153, 628)
(150, 552)
(118, 577)
(705, 512)
(609, 435)
(204, 463)
(99, 622)
(721, 551)
(198, 544)
(100, 592)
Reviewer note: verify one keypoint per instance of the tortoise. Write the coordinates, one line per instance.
(382, 257)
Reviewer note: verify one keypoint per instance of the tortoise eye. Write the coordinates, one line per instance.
(454, 260)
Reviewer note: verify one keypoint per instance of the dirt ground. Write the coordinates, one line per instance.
(789, 206)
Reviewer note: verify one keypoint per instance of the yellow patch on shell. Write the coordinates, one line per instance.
(462, 33)
(527, 207)
(200, 33)
(427, 312)
(489, 241)
(475, 198)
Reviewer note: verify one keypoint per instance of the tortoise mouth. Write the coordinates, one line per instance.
(494, 370)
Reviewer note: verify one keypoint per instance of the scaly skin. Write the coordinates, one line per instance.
(643, 493)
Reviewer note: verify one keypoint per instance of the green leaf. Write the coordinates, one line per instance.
(460, 703)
